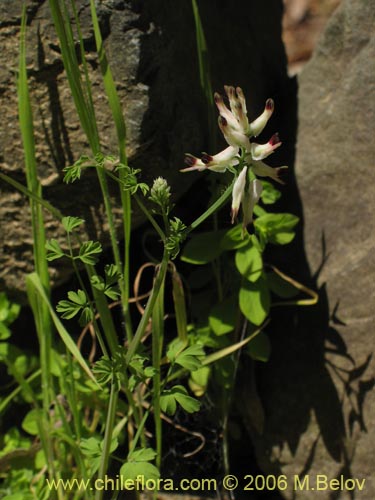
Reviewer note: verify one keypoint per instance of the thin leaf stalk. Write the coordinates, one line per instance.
(110, 421)
(157, 346)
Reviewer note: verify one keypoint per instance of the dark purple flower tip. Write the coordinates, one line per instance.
(217, 97)
(275, 139)
(223, 121)
(206, 158)
(190, 160)
(270, 105)
(280, 174)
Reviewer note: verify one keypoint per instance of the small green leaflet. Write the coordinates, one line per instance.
(249, 262)
(223, 316)
(92, 448)
(177, 394)
(202, 248)
(277, 228)
(77, 302)
(138, 464)
(54, 251)
(71, 223)
(254, 299)
(32, 421)
(269, 193)
(108, 285)
(88, 252)
(234, 238)
(188, 358)
(8, 313)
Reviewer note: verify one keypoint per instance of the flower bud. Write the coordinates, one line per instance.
(261, 151)
(225, 113)
(233, 137)
(193, 163)
(160, 193)
(249, 199)
(257, 126)
(221, 161)
(262, 170)
(237, 193)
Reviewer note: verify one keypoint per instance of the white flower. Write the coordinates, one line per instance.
(257, 126)
(262, 170)
(234, 136)
(233, 123)
(218, 163)
(237, 131)
(247, 197)
(250, 198)
(237, 193)
(261, 151)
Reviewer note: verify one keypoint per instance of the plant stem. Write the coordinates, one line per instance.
(149, 307)
(157, 346)
(111, 414)
(215, 206)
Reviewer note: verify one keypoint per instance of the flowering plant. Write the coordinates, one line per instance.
(242, 157)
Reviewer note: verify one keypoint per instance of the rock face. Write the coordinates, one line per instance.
(152, 52)
(318, 389)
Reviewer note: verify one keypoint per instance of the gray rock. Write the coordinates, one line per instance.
(318, 388)
(152, 52)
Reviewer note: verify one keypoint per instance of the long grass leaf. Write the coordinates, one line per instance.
(118, 118)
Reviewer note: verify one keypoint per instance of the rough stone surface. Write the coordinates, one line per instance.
(152, 52)
(318, 389)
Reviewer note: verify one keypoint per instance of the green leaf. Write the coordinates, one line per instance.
(281, 287)
(188, 403)
(234, 238)
(8, 311)
(5, 333)
(269, 193)
(92, 448)
(54, 251)
(112, 274)
(138, 464)
(106, 286)
(132, 470)
(260, 347)
(277, 228)
(30, 422)
(142, 455)
(70, 223)
(88, 252)
(87, 315)
(178, 394)
(202, 248)
(199, 380)
(98, 283)
(254, 299)
(223, 316)
(67, 309)
(187, 358)
(78, 297)
(168, 402)
(249, 262)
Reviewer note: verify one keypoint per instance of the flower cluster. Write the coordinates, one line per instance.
(237, 131)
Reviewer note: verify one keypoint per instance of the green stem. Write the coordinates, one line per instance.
(111, 414)
(149, 307)
(215, 206)
(157, 347)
